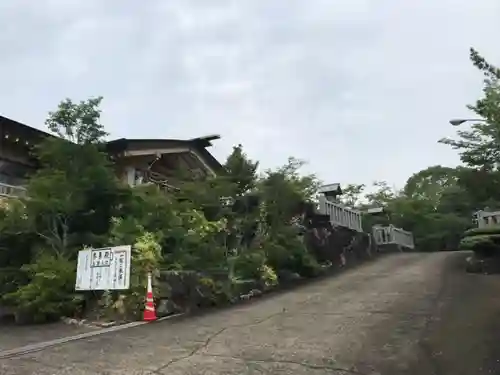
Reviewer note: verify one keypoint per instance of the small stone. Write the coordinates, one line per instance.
(107, 324)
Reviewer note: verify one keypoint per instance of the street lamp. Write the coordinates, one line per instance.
(460, 121)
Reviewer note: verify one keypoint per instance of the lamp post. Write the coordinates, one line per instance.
(460, 121)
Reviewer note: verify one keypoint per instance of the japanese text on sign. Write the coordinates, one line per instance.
(101, 257)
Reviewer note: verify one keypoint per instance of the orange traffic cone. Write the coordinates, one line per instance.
(149, 309)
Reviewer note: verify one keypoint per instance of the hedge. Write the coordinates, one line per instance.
(482, 231)
(483, 245)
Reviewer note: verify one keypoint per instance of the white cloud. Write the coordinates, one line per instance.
(362, 89)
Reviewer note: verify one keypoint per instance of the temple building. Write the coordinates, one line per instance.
(137, 161)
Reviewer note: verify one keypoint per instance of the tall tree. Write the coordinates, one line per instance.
(431, 183)
(481, 187)
(78, 123)
(241, 170)
(480, 146)
(75, 191)
(284, 189)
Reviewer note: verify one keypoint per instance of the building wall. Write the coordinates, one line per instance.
(136, 169)
(14, 153)
(15, 161)
(16, 164)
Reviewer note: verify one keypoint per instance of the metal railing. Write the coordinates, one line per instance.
(391, 235)
(340, 215)
(11, 191)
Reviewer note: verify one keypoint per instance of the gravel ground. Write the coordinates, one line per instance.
(403, 314)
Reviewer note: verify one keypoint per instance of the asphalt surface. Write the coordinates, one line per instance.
(402, 314)
(13, 336)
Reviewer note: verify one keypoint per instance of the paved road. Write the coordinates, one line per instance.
(403, 314)
(13, 336)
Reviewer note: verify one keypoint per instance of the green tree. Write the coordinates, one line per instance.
(78, 123)
(480, 187)
(427, 206)
(74, 193)
(352, 195)
(432, 230)
(431, 183)
(70, 202)
(17, 246)
(283, 191)
(480, 146)
(241, 171)
(382, 195)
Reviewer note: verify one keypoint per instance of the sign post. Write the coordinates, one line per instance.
(104, 269)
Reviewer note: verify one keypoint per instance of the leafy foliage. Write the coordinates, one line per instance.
(480, 146)
(146, 258)
(73, 195)
(241, 171)
(352, 195)
(78, 123)
(50, 292)
(430, 184)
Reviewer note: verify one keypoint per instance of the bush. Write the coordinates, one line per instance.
(251, 265)
(481, 231)
(268, 276)
(187, 290)
(11, 278)
(50, 291)
(485, 242)
(289, 254)
(483, 245)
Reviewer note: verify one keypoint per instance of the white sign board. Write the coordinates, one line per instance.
(104, 269)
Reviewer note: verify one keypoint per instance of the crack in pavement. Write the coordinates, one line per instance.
(374, 312)
(289, 362)
(207, 342)
(192, 353)
(212, 337)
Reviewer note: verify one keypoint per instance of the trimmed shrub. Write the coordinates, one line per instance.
(481, 231)
(485, 242)
(484, 246)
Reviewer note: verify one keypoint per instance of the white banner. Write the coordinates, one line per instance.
(104, 269)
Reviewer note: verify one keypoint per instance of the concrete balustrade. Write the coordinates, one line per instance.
(340, 215)
(391, 235)
(486, 219)
(11, 191)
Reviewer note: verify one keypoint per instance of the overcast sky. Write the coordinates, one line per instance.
(361, 89)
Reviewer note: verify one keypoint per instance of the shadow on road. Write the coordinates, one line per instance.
(463, 337)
